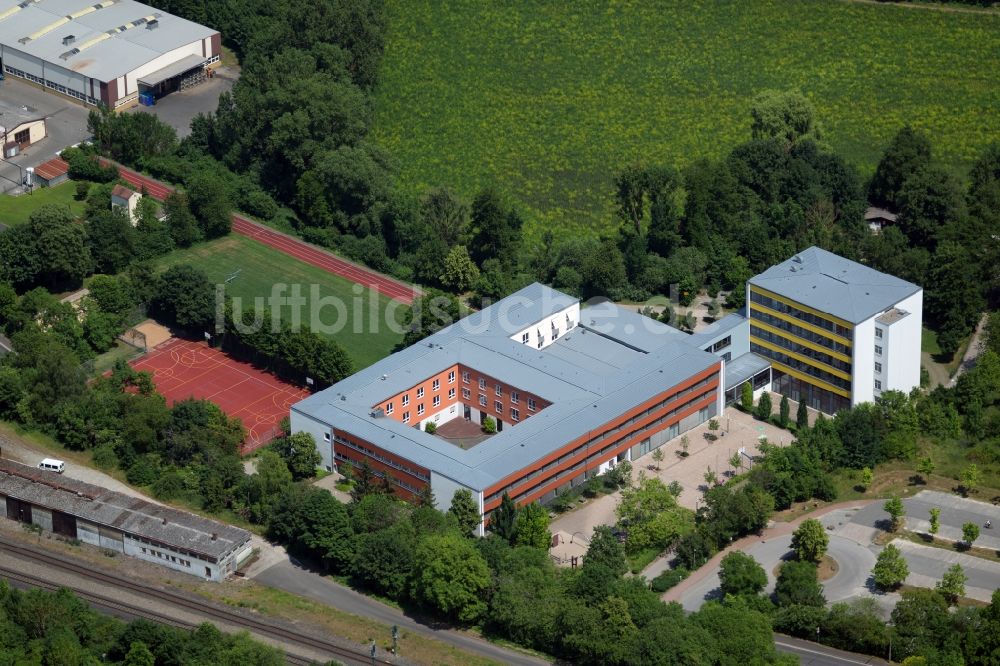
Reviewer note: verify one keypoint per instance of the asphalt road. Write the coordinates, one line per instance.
(855, 563)
(955, 512)
(814, 654)
(296, 580)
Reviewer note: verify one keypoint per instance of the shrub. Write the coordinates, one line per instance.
(489, 425)
(668, 579)
(105, 457)
(430, 427)
(143, 471)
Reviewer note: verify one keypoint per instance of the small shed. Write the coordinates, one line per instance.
(879, 218)
(128, 200)
(52, 172)
(20, 136)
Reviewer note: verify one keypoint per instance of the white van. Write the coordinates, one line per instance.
(52, 465)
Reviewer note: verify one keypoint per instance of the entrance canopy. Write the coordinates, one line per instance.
(183, 65)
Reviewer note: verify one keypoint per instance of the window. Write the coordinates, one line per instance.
(722, 344)
(498, 406)
(878, 332)
(541, 341)
(514, 397)
(466, 393)
(482, 401)
(406, 399)
(326, 437)
(878, 385)
(208, 572)
(451, 377)
(406, 417)
(499, 390)
(878, 350)
(465, 377)
(569, 323)
(24, 136)
(727, 357)
(388, 408)
(420, 409)
(420, 393)
(436, 385)
(878, 367)
(437, 400)
(451, 394)
(515, 414)
(531, 404)
(525, 337)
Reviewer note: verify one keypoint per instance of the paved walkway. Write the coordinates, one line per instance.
(973, 351)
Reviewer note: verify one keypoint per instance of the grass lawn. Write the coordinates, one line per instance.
(360, 325)
(107, 360)
(550, 100)
(17, 210)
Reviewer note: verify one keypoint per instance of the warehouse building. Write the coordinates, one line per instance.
(107, 519)
(110, 51)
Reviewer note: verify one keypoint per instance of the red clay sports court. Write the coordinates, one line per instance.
(183, 369)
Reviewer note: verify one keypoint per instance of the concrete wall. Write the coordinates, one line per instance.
(320, 432)
(453, 411)
(863, 359)
(901, 347)
(561, 322)
(445, 488)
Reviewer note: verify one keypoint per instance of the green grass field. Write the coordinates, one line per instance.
(365, 335)
(550, 100)
(17, 210)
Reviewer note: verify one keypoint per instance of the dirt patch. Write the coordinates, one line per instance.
(827, 568)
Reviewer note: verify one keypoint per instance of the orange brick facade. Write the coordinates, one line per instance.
(409, 479)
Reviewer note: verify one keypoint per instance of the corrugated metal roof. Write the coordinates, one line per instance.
(614, 360)
(743, 367)
(107, 60)
(834, 285)
(169, 526)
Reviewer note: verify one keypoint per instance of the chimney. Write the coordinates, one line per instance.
(215, 535)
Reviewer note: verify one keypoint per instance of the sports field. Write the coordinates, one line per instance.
(363, 331)
(183, 369)
(548, 100)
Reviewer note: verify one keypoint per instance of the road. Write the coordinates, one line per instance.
(296, 580)
(290, 245)
(955, 512)
(814, 654)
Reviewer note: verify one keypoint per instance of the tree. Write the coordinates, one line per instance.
(465, 511)
(894, 507)
(736, 461)
(186, 297)
(503, 518)
(922, 624)
(489, 425)
(496, 230)
(925, 467)
(445, 215)
(685, 443)
(867, 476)
(970, 478)
(311, 521)
(184, 229)
(711, 478)
(970, 532)
(139, 655)
(935, 520)
(210, 202)
(890, 568)
(713, 426)
(653, 516)
(740, 574)
(531, 527)
(952, 584)
(605, 550)
(953, 302)
(783, 411)
(908, 152)
(787, 116)
(658, 457)
(450, 576)
(801, 416)
(746, 397)
(763, 411)
(744, 636)
(798, 585)
(300, 454)
(810, 541)
(460, 273)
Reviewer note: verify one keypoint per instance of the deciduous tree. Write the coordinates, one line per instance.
(890, 568)
(463, 508)
(741, 574)
(798, 585)
(894, 507)
(952, 584)
(450, 576)
(810, 541)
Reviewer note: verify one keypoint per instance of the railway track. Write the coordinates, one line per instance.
(340, 652)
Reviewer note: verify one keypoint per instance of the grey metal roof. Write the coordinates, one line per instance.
(832, 284)
(718, 328)
(177, 529)
(743, 367)
(107, 60)
(173, 69)
(614, 360)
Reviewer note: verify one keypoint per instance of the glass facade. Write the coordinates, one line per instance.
(808, 365)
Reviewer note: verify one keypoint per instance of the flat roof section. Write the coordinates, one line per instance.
(170, 71)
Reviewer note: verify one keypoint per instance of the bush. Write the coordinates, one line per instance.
(668, 579)
(143, 471)
(489, 425)
(430, 427)
(82, 189)
(168, 485)
(105, 457)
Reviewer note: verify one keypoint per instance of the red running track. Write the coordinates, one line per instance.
(183, 369)
(289, 245)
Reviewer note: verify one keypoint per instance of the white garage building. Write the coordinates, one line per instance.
(107, 51)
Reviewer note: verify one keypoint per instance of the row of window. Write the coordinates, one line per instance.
(515, 397)
(399, 482)
(375, 455)
(801, 366)
(720, 345)
(808, 317)
(181, 551)
(609, 446)
(800, 349)
(800, 332)
(50, 84)
(164, 556)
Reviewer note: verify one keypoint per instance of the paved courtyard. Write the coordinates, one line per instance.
(178, 109)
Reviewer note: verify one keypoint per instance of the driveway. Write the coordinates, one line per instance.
(178, 109)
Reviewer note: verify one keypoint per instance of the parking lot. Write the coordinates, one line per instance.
(65, 125)
(178, 109)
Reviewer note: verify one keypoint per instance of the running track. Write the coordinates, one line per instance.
(289, 245)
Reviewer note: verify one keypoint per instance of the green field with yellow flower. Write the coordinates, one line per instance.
(547, 100)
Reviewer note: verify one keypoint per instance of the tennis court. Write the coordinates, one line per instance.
(184, 369)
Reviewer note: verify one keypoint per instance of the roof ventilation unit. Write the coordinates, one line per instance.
(69, 39)
(797, 259)
(153, 25)
(378, 413)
